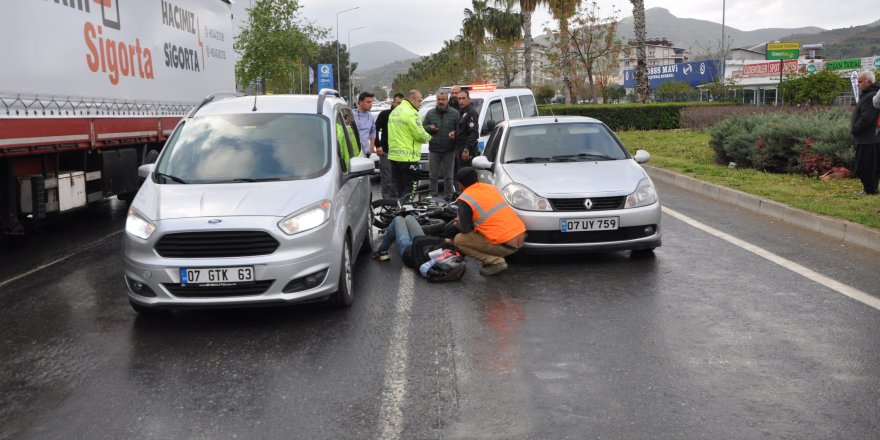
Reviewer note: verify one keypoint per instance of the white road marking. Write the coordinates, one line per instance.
(57, 260)
(830, 283)
(394, 389)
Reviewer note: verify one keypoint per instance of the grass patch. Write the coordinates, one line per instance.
(688, 152)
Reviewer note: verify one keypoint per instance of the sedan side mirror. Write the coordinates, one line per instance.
(642, 156)
(145, 170)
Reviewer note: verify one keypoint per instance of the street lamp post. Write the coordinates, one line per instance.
(338, 77)
(350, 89)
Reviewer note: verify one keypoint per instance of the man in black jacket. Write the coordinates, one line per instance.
(865, 135)
(441, 122)
(382, 147)
(467, 133)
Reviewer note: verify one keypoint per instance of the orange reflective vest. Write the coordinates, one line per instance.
(493, 218)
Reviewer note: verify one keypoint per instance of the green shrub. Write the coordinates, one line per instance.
(808, 143)
(658, 116)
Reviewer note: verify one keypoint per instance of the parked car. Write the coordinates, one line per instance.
(250, 203)
(573, 184)
(493, 105)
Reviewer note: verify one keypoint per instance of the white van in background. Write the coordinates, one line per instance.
(494, 105)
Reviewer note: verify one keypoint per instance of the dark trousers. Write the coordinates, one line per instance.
(867, 166)
(385, 177)
(403, 174)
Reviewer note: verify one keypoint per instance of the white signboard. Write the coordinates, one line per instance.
(127, 50)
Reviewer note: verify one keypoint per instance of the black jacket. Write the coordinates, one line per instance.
(468, 130)
(864, 118)
(382, 129)
(446, 121)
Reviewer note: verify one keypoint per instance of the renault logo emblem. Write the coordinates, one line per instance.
(588, 204)
(214, 221)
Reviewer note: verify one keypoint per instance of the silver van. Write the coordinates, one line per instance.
(254, 200)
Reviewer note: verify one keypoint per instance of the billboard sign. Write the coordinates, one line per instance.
(325, 76)
(783, 51)
(768, 69)
(850, 64)
(694, 73)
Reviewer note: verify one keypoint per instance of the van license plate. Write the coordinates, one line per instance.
(589, 224)
(217, 275)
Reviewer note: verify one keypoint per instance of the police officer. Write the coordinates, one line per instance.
(467, 133)
(405, 138)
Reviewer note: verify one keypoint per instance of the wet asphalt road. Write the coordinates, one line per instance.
(703, 341)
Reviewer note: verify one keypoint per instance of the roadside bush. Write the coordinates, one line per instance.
(808, 144)
(658, 116)
(702, 117)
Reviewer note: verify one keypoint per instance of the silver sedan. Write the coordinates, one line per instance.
(573, 184)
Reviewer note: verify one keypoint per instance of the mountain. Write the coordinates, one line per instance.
(851, 42)
(701, 35)
(379, 53)
(383, 76)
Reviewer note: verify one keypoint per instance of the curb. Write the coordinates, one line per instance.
(848, 232)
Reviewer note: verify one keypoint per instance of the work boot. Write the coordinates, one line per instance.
(493, 269)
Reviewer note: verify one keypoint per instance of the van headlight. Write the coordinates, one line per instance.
(305, 219)
(644, 195)
(138, 224)
(521, 197)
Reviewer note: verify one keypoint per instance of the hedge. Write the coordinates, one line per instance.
(656, 116)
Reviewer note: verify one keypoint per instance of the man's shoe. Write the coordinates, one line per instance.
(493, 269)
(381, 256)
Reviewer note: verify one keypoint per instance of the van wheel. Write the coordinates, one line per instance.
(343, 297)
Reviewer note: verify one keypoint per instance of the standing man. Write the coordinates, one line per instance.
(382, 147)
(467, 132)
(365, 125)
(405, 139)
(864, 133)
(440, 123)
(489, 228)
(453, 97)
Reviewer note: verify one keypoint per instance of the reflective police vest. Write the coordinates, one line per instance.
(493, 218)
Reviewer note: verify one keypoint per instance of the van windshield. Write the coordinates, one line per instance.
(246, 148)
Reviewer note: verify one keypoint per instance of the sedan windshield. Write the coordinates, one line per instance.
(246, 148)
(561, 142)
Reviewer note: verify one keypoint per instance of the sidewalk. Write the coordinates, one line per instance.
(848, 232)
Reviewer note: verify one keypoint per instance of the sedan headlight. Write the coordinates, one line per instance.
(520, 197)
(305, 219)
(138, 224)
(644, 195)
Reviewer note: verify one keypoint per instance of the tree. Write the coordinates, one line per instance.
(474, 26)
(588, 39)
(639, 29)
(326, 54)
(505, 63)
(674, 91)
(818, 88)
(527, 8)
(505, 25)
(272, 44)
(562, 10)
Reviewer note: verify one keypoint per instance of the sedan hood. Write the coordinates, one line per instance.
(611, 177)
(274, 199)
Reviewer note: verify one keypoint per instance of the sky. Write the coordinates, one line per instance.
(422, 26)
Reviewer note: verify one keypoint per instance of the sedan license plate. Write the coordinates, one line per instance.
(226, 276)
(588, 224)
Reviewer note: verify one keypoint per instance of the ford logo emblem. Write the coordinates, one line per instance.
(588, 204)
(214, 221)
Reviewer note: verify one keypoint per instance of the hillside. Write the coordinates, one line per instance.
(851, 42)
(700, 35)
(383, 76)
(379, 53)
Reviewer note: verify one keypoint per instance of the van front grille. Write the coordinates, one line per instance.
(219, 244)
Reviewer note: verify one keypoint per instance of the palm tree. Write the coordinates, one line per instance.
(527, 8)
(641, 58)
(562, 11)
(474, 26)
